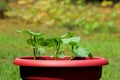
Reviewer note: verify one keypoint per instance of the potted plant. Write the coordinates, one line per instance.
(79, 65)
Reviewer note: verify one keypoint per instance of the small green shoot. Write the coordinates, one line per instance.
(33, 40)
(38, 42)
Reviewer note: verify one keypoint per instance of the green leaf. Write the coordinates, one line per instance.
(49, 42)
(61, 56)
(52, 55)
(46, 42)
(30, 32)
(30, 41)
(57, 40)
(38, 34)
(71, 40)
(90, 55)
(41, 42)
(73, 43)
(68, 34)
(82, 52)
(41, 51)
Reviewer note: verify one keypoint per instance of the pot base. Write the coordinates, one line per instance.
(60, 73)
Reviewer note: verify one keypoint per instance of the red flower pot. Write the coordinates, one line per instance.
(46, 68)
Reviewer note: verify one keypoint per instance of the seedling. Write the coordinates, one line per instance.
(38, 42)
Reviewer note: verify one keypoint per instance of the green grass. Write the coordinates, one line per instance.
(13, 45)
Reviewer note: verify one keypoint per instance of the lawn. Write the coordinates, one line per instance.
(12, 45)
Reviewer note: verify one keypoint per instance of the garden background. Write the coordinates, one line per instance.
(97, 22)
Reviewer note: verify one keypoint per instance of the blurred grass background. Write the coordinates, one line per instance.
(96, 21)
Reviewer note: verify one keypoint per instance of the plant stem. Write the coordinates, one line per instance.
(31, 39)
(35, 46)
(56, 53)
(72, 48)
(34, 51)
(57, 50)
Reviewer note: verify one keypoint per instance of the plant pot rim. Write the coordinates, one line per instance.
(50, 62)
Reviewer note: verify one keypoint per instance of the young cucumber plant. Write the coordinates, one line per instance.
(37, 40)
(33, 40)
(76, 50)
